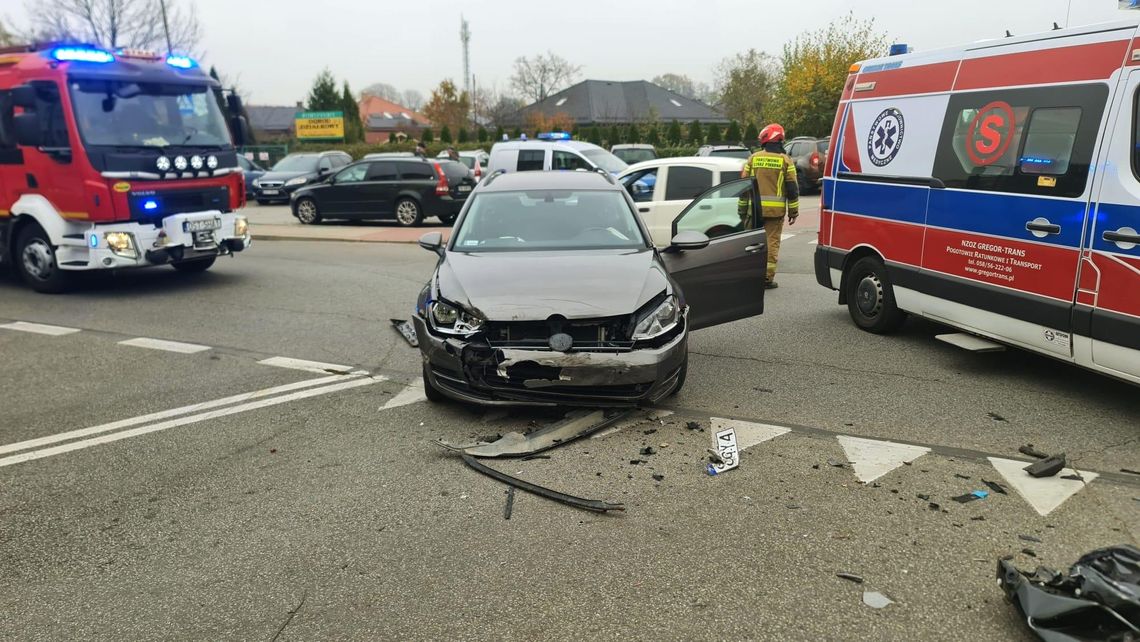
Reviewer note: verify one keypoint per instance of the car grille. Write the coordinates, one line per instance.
(593, 335)
(271, 184)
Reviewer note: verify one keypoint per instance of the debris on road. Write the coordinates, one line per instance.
(858, 579)
(694, 425)
(1073, 477)
(1029, 451)
(836, 463)
(1047, 467)
(575, 425)
(724, 443)
(1029, 538)
(658, 477)
(1029, 551)
(996, 487)
(648, 450)
(1098, 599)
(961, 476)
(876, 600)
(570, 500)
(510, 503)
(649, 432)
(533, 457)
(924, 497)
(406, 330)
(1130, 471)
(996, 417)
(972, 496)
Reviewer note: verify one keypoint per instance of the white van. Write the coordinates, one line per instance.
(542, 155)
(661, 188)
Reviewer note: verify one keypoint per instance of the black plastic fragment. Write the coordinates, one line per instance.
(968, 497)
(1029, 551)
(961, 476)
(658, 477)
(1073, 477)
(1130, 471)
(570, 500)
(996, 487)
(648, 450)
(858, 579)
(510, 503)
(1029, 538)
(694, 425)
(1047, 467)
(1029, 451)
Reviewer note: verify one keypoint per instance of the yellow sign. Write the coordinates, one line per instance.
(312, 125)
(121, 187)
(1046, 181)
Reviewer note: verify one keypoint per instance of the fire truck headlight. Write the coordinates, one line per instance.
(196, 162)
(180, 163)
(121, 243)
(212, 161)
(163, 164)
(241, 226)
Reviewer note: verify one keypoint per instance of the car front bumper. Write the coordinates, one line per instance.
(474, 372)
(152, 244)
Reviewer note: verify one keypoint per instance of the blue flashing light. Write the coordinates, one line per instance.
(150, 204)
(899, 49)
(81, 54)
(93, 241)
(181, 62)
(554, 136)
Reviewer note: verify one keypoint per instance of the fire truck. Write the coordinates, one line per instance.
(115, 159)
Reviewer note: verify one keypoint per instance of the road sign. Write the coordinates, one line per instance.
(319, 125)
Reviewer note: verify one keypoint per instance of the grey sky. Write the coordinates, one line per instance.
(276, 47)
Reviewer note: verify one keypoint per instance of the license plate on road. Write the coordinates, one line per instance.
(202, 225)
(465, 188)
(270, 192)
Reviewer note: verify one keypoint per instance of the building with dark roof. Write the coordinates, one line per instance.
(271, 122)
(605, 102)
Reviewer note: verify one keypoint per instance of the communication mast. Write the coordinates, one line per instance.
(465, 38)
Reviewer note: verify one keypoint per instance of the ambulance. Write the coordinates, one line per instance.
(994, 188)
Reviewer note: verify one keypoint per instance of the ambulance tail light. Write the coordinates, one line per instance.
(441, 187)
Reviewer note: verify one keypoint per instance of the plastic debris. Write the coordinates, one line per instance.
(1029, 551)
(996, 487)
(1097, 599)
(1073, 477)
(933, 506)
(648, 450)
(961, 476)
(836, 463)
(406, 330)
(575, 425)
(1029, 538)
(1047, 467)
(725, 448)
(510, 503)
(570, 500)
(1130, 471)
(996, 417)
(694, 425)
(1029, 451)
(972, 496)
(923, 497)
(858, 579)
(658, 477)
(649, 432)
(876, 600)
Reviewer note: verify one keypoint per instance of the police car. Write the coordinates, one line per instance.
(994, 187)
(553, 150)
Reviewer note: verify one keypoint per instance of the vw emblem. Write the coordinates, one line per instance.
(561, 342)
(886, 137)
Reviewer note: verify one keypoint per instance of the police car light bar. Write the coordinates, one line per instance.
(81, 54)
(554, 136)
(899, 49)
(181, 62)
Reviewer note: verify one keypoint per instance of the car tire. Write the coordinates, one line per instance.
(681, 377)
(307, 211)
(409, 213)
(195, 266)
(431, 392)
(447, 219)
(871, 298)
(36, 263)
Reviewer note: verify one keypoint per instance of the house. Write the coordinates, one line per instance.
(271, 122)
(383, 117)
(605, 102)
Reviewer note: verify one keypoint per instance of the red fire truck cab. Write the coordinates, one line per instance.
(112, 160)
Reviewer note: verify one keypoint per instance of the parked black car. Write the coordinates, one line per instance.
(251, 171)
(404, 190)
(294, 171)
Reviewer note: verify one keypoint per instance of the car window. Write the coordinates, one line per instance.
(793, 149)
(341, 160)
(298, 163)
(531, 160)
(1049, 142)
(720, 212)
(454, 170)
(382, 171)
(548, 220)
(641, 185)
(686, 182)
(244, 163)
(325, 164)
(352, 174)
(731, 153)
(605, 160)
(416, 171)
(566, 160)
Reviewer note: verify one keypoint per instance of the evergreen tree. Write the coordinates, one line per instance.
(462, 135)
(445, 135)
(426, 135)
(633, 134)
(482, 134)
(516, 133)
(651, 135)
(323, 96)
(674, 134)
(595, 135)
(615, 136)
(353, 125)
(499, 134)
(713, 132)
(391, 137)
(732, 134)
(695, 134)
(750, 134)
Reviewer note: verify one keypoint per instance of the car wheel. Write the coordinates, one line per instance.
(36, 262)
(447, 219)
(870, 297)
(195, 265)
(307, 212)
(408, 213)
(431, 392)
(681, 377)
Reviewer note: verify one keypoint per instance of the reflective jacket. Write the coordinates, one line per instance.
(775, 178)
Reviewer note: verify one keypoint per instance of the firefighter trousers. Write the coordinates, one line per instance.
(773, 228)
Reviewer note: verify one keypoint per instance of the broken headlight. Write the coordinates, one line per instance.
(662, 319)
(451, 319)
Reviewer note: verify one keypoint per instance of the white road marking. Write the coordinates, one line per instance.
(813, 242)
(308, 366)
(165, 414)
(39, 328)
(1044, 494)
(784, 237)
(414, 393)
(872, 458)
(748, 434)
(162, 344)
(182, 421)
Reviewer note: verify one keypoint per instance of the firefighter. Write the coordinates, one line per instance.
(774, 174)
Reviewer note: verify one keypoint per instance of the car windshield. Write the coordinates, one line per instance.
(132, 114)
(302, 163)
(731, 153)
(604, 160)
(548, 220)
(632, 156)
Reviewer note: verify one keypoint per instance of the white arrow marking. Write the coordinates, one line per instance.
(748, 434)
(784, 237)
(1044, 494)
(872, 458)
(414, 393)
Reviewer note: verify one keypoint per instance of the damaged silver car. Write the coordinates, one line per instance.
(550, 291)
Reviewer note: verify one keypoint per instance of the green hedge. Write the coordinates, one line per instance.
(358, 150)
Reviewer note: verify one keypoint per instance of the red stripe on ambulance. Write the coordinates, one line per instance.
(923, 79)
(1095, 61)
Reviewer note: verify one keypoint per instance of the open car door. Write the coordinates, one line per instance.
(723, 281)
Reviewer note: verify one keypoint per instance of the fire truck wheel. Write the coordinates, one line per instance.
(408, 213)
(197, 265)
(35, 261)
(307, 211)
(870, 298)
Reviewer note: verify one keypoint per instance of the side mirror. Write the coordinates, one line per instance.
(233, 103)
(433, 242)
(28, 130)
(689, 240)
(323, 171)
(241, 131)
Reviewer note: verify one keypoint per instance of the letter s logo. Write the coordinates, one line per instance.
(990, 133)
(992, 136)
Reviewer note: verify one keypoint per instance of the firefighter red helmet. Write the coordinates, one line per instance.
(773, 133)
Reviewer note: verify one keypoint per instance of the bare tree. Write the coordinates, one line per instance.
(6, 37)
(412, 99)
(382, 90)
(117, 23)
(537, 77)
(682, 84)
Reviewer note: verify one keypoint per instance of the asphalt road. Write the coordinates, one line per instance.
(321, 509)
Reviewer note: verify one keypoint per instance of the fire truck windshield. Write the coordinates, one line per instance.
(130, 114)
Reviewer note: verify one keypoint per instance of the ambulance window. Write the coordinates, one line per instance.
(1049, 143)
(531, 160)
(974, 136)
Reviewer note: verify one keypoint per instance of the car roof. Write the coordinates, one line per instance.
(632, 146)
(543, 144)
(720, 162)
(558, 179)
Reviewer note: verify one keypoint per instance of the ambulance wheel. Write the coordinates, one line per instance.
(433, 395)
(870, 297)
(195, 266)
(36, 263)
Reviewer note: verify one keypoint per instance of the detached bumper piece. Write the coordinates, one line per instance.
(595, 505)
(1098, 599)
(577, 424)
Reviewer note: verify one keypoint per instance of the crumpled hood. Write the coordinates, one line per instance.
(531, 286)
